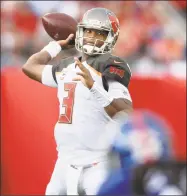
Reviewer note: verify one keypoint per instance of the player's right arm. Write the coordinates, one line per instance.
(37, 64)
(34, 66)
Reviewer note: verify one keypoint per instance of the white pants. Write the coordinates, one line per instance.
(70, 180)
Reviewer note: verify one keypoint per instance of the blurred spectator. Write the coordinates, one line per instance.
(42, 7)
(67, 7)
(17, 32)
(180, 6)
(142, 141)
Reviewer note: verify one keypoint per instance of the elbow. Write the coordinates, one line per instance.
(25, 69)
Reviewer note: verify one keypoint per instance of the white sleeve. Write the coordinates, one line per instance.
(117, 90)
(47, 76)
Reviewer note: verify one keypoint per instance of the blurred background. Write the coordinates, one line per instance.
(152, 33)
(152, 40)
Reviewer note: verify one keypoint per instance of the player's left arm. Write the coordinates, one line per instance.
(116, 78)
(116, 81)
(121, 99)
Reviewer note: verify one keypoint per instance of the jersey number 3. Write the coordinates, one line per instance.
(68, 103)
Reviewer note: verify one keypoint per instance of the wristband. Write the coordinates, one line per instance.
(53, 48)
(101, 95)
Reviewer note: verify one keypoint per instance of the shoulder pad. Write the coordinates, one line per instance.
(118, 62)
(116, 69)
(112, 68)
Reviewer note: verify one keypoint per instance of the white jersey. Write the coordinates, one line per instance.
(82, 121)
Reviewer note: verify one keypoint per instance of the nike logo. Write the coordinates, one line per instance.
(117, 61)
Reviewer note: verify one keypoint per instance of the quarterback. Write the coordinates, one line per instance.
(91, 88)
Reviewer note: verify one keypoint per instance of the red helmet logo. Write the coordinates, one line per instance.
(114, 22)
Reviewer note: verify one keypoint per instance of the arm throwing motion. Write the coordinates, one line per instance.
(34, 66)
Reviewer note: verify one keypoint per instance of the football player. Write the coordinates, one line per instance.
(92, 88)
(147, 159)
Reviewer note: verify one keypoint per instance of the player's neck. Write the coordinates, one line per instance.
(84, 57)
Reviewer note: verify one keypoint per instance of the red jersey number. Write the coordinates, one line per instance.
(68, 103)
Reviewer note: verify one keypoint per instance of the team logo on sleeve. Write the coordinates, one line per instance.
(119, 72)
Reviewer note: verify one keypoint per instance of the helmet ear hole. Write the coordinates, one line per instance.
(115, 40)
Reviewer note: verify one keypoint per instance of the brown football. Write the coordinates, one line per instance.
(59, 26)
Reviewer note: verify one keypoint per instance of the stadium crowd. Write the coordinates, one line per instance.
(152, 38)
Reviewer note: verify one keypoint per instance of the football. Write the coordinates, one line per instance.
(59, 26)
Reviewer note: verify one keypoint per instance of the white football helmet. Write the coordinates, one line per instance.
(100, 19)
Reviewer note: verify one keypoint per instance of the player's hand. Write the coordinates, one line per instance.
(66, 43)
(84, 76)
